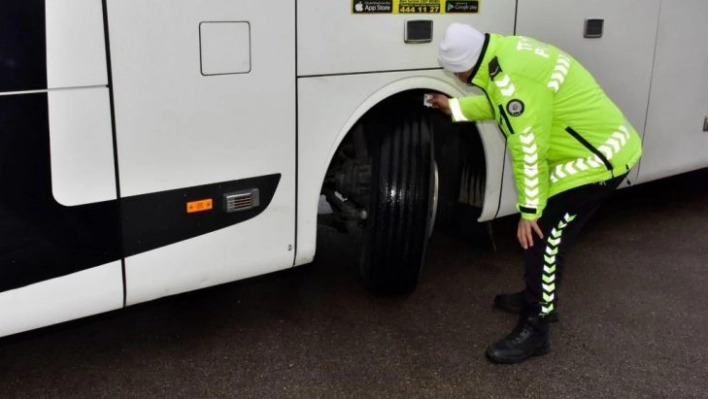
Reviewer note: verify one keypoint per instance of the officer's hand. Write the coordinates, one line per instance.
(525, 232)
(441, 102)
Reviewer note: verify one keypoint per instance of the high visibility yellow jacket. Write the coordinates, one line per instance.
(562, 130)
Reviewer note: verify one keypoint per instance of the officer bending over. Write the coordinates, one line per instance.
(570, 145)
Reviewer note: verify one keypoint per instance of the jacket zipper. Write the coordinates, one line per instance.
(589, 146)
(489, 100)
(506, 119)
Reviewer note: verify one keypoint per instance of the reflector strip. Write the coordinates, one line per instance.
(200, 206)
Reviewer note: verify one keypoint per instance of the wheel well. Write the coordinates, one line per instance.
(458, 150)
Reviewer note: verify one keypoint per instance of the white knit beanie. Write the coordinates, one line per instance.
(460, 48)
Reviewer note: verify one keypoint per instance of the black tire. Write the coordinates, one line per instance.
(448, 156)
(401, 201)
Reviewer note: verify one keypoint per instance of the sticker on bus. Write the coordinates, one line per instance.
(415, 6)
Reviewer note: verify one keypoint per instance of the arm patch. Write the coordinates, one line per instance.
(515, 107)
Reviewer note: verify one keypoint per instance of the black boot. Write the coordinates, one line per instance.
(529, 338)
(514, 303)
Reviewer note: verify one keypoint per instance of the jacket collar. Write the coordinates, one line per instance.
(480, 74)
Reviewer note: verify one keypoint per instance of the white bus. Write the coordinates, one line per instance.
(154, 147)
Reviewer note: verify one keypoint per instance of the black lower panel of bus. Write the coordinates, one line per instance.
(35, 250)
(23, 48)
(39, 238)
(158, 219)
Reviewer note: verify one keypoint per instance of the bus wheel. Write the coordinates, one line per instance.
(401, 205)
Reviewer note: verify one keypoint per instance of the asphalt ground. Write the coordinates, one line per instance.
(633, 323)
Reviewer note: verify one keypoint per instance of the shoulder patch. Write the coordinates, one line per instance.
(515, 107)
(494, 68)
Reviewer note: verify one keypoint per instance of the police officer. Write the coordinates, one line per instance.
(570, 145)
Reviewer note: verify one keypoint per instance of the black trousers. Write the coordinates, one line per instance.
(563, 218)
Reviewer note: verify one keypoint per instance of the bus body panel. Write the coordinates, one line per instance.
(76, 44)
(106, 169)
(86, 293)
(204, 94)
(334, 40)
(676, 138)
(81, 146)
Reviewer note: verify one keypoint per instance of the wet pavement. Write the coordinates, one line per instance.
(633, 323)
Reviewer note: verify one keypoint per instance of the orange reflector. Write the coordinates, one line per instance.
(200, 206)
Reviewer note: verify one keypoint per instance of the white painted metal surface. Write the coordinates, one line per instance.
(81, 294)
(507, 185)
(178, 128)
(81, 140)
(332, 40)
(76, 53)
(225, 47)
(675, 141)
(494, 155)
(257, 246)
